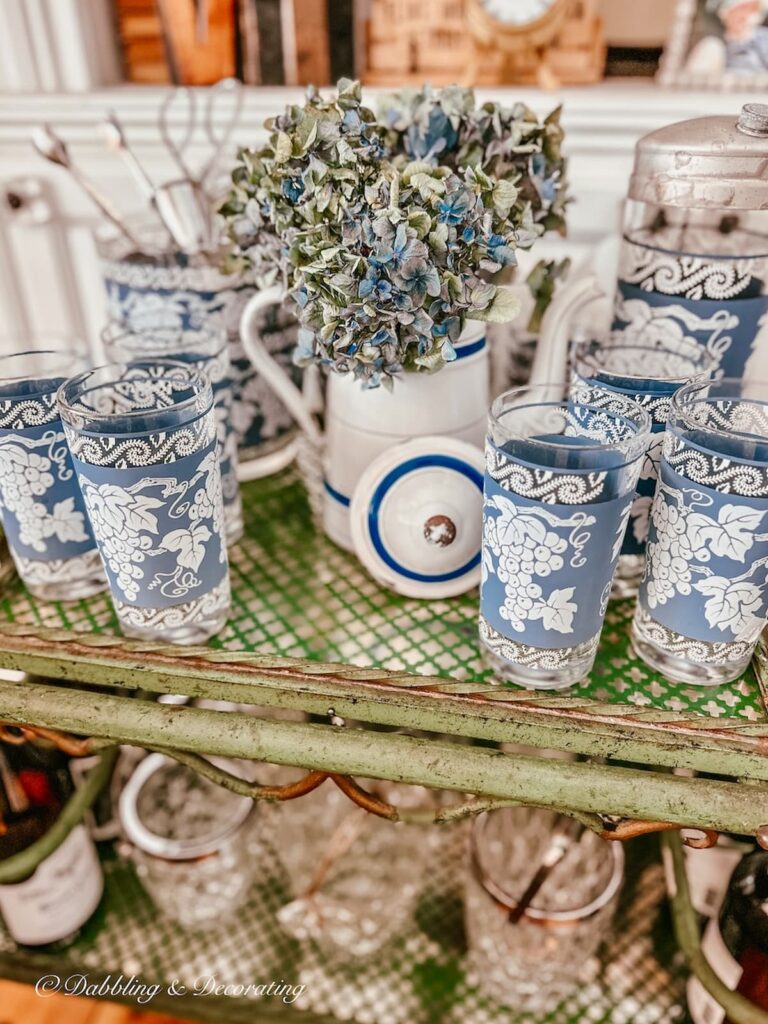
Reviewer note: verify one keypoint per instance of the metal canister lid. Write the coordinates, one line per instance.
(708, 162)
(753, 120)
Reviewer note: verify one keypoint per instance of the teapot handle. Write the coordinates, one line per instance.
(272, 372)
(550, 364)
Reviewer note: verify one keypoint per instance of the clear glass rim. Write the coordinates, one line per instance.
(538, 915)
(714, 257)
(205, 342)
(632, 412)
(582, 355)
(156, 246)
(161, 846)
(156, 250)
(684, 400)
(67, 359)
(110, 374)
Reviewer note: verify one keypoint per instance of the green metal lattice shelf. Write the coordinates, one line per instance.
(310, 632)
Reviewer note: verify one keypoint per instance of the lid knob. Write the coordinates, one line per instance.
(440, 530)
(753, 119)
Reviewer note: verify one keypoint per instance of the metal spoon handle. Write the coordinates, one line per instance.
(562, 839)
(54, 150)
(104, 205)
(117, 140)
(180, 97)
(219, 138)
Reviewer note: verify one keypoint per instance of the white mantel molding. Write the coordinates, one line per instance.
(606, 114)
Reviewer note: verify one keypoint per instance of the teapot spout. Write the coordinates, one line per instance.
(550, 364)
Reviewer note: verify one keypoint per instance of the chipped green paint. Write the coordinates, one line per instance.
(649, 795)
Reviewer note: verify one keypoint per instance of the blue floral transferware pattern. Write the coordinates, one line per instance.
(155, 502)
(704, 594)
(145, 295)
(547, 567)
(41, 504)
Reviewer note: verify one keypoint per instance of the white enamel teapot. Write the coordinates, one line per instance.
(361, 424)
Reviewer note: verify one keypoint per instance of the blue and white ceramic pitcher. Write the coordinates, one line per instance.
(173, 291)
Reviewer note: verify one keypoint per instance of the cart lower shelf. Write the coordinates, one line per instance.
(422, 978)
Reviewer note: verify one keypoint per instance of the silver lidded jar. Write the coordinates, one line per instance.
(694, 251)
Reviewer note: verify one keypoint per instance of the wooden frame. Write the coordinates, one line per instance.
(677, 68)
(490, 31)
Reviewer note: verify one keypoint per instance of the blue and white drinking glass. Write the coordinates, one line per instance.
(42, 509)
(648, 371)
(703, 599)
(562, 464)
(207, 350)
(144, 443)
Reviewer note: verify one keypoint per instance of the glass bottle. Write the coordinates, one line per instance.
(52, 904)
(736, 942)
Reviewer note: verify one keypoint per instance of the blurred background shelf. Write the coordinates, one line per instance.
(275, 42)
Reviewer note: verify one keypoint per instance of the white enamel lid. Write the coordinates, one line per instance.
(417, 515)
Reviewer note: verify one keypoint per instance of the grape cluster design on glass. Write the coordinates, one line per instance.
(684, 539)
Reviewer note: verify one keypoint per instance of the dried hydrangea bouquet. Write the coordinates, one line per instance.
(394, 231)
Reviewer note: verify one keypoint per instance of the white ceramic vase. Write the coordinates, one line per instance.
(362, 423)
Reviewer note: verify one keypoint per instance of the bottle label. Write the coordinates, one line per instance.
(708, 874)
(59, 897)
(704, 1008)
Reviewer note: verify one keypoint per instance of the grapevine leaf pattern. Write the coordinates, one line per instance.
(731, 602)
(527, 552)
(126, 528)
(27, 477)
(685, 541)
(138, 515)
(731, 536)
(557, 611)
(190, 544)
(67, 523)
